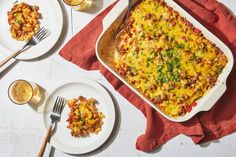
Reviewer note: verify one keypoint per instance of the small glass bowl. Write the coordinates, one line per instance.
(77, 4)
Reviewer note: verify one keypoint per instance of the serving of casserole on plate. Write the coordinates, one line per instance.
(166, 57)
(23, 19)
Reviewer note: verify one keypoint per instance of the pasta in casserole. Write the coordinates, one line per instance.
(166, 58)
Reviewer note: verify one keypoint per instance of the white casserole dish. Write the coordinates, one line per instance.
(105, 53)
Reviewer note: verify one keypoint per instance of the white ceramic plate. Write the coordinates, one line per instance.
(62, 138)
(52, 19)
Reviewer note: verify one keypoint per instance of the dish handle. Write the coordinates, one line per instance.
(212, 99)
(114, 13)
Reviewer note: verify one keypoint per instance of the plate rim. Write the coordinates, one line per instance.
(55, 5)
(111, 120)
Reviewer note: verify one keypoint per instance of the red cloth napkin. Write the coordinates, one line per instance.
(205, 126)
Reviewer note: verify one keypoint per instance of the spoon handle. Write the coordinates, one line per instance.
(128, 10)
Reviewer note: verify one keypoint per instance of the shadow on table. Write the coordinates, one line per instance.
(37, 104)
(156, 150)
(108, 141)
(5, 70)
(206, 144)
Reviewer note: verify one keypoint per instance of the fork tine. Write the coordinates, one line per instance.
(55, 104)
(58, 105)
(40, 37)
(62, 105)
(39, 31)
(46, 34)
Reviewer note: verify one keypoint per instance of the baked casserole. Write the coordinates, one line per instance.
(167, 59)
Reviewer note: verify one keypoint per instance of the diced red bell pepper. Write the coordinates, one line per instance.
(194, 103)
(188, 108)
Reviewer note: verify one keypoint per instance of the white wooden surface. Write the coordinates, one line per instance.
(20, 130)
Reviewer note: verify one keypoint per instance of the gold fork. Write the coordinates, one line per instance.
(39, 36)
(55, 117)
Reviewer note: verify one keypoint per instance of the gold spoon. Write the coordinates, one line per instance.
(123, 30)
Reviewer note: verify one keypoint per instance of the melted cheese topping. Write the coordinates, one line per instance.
(166, 58)
(84, 117)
